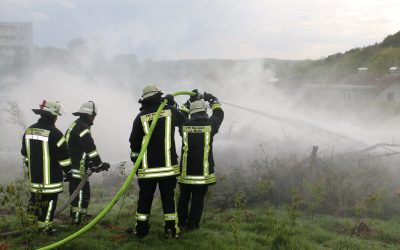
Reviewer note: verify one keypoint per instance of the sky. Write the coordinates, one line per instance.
(200, 29)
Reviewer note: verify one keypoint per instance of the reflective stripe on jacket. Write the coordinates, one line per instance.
(46, 155)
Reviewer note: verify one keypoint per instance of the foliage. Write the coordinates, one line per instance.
(378, 58)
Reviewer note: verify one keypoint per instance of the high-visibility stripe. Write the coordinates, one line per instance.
(167, 141)
(134, 154)
(93, 154)
(155, 175)
(150, 116)
(80, 199)
(169, 217)
(37, 137)
(216, 106)
(46, 190)
(46, 162)
(82, 164)
(196, 129)
(60, 142)
(210, 179)
(168, 170)
(38, 132)
(206, 152)
(65, 162)
(84, 132)
(161, 169)
(142, 217)
(68, 134)
(25, 159)
(48, 186)
(185, 152)
(206, 178)
(146, 131)
(49, 211)
(28, 152)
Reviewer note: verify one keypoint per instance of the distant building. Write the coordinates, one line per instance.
(16, 43)
(357, 90)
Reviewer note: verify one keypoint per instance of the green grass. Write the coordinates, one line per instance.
(261, 227)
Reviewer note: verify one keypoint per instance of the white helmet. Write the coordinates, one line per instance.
(49, 107)
(198, 106)
(150, 90)
(88, 108)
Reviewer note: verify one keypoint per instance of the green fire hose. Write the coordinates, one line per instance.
(124, 186)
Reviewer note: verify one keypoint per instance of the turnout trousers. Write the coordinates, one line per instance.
(193, 194)
(146, 193)
(80, 204)
(43, 207)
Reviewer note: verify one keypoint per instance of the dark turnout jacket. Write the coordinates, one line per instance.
(82, 147)
(46, 155)
(197, 161)
(160, 159)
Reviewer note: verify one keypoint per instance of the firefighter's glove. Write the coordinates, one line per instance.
(68, 176)
(195, 97)
(210, 98)
(170, 99)
(187, 104)
(105, 166)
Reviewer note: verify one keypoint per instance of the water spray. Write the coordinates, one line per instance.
(295, 123)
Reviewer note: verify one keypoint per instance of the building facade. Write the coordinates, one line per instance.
(16, 43)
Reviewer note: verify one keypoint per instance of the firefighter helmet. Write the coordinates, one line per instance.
(88, 108)
(151, 90)
(49, 107)
(198, 106)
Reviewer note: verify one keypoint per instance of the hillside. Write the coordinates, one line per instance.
(378, 58)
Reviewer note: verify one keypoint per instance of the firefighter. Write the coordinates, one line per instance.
(159, 164)
(84, 156)
(46, 155)
(197, 161)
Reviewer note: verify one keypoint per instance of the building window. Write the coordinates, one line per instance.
(390, 97)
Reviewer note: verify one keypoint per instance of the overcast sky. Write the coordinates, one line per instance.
(184, 29)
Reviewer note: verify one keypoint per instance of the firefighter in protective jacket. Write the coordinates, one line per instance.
(159, 164)
(197, 161)
(46, 155)
(84, 156)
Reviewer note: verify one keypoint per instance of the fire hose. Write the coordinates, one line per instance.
(79, 188)
(124, 186)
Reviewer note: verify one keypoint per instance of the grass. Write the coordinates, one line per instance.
(260, 227)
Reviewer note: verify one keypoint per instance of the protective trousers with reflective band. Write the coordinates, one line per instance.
(80, 204)
(146, 170)
(43, 207)
(146, 193)
(196, 144)
(193, 195)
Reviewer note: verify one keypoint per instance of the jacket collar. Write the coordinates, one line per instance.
(199, 115)
(47, 120)
(85, 120)
(150, 103)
